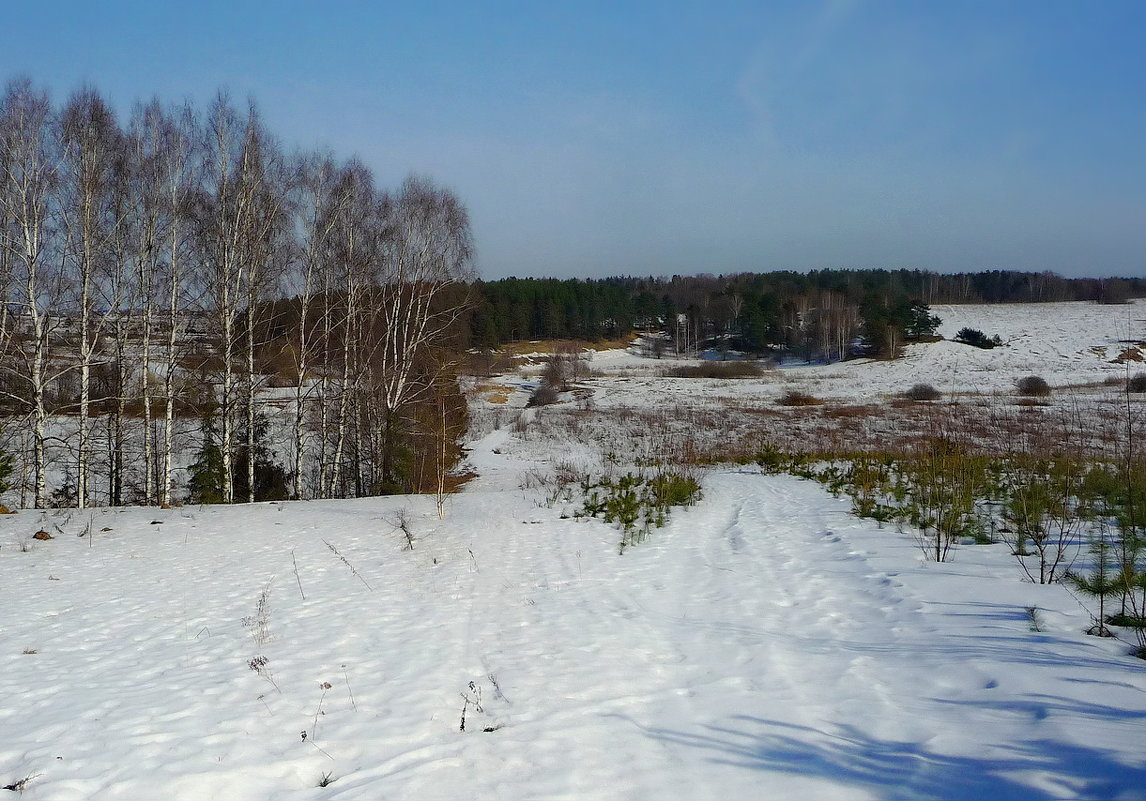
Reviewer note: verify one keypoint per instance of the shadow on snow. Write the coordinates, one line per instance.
(1035, 770)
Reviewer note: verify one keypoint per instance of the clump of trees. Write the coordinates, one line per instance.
(888, 326)
(161, 275)
(976, 338)
(562, 368)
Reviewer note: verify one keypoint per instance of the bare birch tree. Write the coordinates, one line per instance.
(266, 183)
(112, 239)
(354, 247)
(235, 219)
(428, 249)
(159, 155)
(324, 200)
(30, 163)
(92, 152)
(177, 132)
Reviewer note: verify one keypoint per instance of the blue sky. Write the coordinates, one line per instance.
(655, 138)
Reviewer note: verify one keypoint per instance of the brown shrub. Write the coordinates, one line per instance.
(734, 369)
(847, 412)
(794, 397)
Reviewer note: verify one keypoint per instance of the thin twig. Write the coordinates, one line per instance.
(346, 678)
(296, 578)
(346, 562)
(314, 727)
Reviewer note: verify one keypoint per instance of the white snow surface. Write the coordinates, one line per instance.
(765, 644)
(1067, 344)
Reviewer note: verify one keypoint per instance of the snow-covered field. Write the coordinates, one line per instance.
(1066, 343)
(763, 645)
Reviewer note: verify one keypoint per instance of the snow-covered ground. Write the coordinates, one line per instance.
(763, 645)
(1065, 343)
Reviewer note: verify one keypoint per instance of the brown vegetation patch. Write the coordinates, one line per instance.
(848, 411)
(1131, 354)
(732, 369)
(495, 393)
(795, 397)
(455, 481)
(486, 363)
(546, 346)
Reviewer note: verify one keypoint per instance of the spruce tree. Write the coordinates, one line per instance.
(205, 482)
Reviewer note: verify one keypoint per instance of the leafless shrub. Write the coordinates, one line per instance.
(794, 397)
(533, 478)
(922, 392)
(1033, 386)
(472, 699)
(521, 424)
(1137, 383)
(567, 472)
(259, 622)
(401, 522)
(544, 395)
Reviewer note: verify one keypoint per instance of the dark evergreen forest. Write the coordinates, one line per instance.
(817, 314)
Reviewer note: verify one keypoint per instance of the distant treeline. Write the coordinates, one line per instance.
(817, 313)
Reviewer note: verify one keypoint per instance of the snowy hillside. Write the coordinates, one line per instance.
(764, 644)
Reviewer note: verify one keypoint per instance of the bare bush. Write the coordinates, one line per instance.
(922, 392)
(566, 365)
(1137, 383)
(1033, 386)
(568, 472)
(401, 522)
(544, 395)
(521, 424)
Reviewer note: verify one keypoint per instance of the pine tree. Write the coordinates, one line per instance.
(1102, 582)
(272, 482)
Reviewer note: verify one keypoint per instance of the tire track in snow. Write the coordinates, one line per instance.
(794, 594)
(763, 583)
